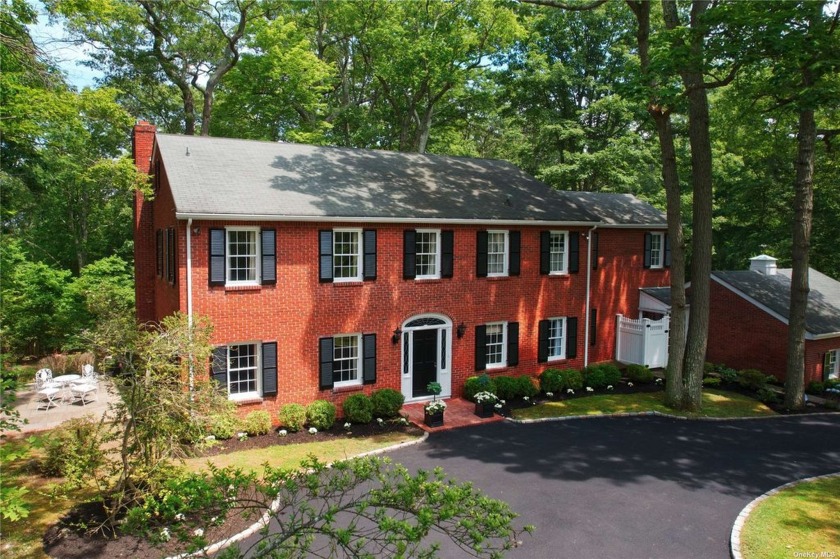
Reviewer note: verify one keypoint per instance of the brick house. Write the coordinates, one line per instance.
(748, 320)
(328, 271)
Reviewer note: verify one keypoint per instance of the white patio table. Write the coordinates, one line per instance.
(66, 381)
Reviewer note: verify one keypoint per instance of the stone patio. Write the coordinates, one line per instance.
(459, 413)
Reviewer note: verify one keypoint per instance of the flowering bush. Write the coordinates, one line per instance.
(485, 398)
(569, 391)
(434, 407)
(313, 430)
(282, 432)
(590, 389)
(609, 387)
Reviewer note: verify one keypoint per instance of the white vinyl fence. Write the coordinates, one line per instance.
(643, 341)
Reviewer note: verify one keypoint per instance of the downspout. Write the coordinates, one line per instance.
(189, 296)
(588, 295)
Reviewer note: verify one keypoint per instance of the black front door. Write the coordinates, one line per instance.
(425, 361)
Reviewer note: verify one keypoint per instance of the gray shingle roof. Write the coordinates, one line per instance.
(661, 294)
(230, 178)
(773, 292)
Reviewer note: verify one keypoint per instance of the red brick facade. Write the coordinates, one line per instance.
(743, 336)
(299, 309)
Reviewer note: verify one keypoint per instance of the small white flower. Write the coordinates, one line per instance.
(526, 398)
(312, 430)
(283, 432)
(380, 420)
(502, 401)
(629, 384)
(658, 380)
(498, 406)
(609, 387)
(214, 519)
(403, 421)
(198, 532)
(347, 425)
(209, 438)
(164, 535)
(179, 517)
(590, 389)
(569, 391)
(549, 394)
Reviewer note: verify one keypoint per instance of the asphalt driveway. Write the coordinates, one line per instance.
(630, 487)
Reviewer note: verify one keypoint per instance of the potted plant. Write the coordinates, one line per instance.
(433, 411)
(485, 403)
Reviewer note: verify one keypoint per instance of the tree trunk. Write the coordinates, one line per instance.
(803, 203)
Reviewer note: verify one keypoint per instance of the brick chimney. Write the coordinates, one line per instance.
(763, 264)
(142, 144)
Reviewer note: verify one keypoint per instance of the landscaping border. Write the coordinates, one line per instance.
(266, 517)
(741, 519)
(666, 415)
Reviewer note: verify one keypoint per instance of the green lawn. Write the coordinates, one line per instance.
(716, 403)
(290, 456)
(800, 521)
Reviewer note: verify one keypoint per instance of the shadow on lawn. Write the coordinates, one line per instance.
(740, 458)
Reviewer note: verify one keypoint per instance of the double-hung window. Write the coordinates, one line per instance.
(242, 256)
(242, 370)
(657, 251)
(242, 251)
(556, 338)
(496, 345)
(346, 360)
(497, 253)
(831, 365)
(247, 370)
(558, 255)
(347, 255)
(427, 255)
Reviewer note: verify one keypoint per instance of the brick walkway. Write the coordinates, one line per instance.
(459, 413)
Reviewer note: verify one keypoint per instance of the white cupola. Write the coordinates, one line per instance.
(763, 264)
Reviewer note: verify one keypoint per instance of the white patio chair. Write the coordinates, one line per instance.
(85, 392)
(47, 397)
(43, 379)
(88, 375)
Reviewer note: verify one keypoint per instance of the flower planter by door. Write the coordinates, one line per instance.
(433, 419)
(484, 410)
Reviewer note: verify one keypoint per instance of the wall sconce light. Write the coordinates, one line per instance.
(462, 328)
(396, 337)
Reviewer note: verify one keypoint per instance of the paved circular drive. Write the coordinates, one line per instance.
(630, 487)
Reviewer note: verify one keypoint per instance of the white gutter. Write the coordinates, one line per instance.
(588, 294)
(189, 295)
(376, 219)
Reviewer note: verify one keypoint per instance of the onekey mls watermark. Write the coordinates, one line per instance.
(816, 554)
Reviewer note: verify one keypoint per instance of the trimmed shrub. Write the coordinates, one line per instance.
(387, 402)
(73, 450)
(639, 374)
(257, 423)
(223, 426)
(320, 414)
(474, 385)
(525, 387)
(551, 381)
(572, 378)
(728, 375)
(506, 387)
(767, 395)
(601, 376)
(815, 387)
(711, 382)
(708, 368)
(292, 417)
(358, 409)
(752, 379)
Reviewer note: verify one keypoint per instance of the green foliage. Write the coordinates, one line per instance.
(712, 382)
(387, 402)
(767, 395)
(403, 508)
(358, 408)
(753, 379)
(13, 505)
(481, 383)
(815, 387)
(292, 417)
(74, 449)
(601, 375)
(506, 387)
(551, 381)
(257, 422)
(525, 387)
(708, 368)
(320, 414)
(639, 374)
(727, 375)
(224, 426)
(572, 378)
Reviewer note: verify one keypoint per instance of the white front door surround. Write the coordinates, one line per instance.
(426, 344)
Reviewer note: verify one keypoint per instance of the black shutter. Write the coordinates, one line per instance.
(512, 344)
(447, 254)
(409, 254)
(545, 252)
(217, 257)
(269, 368)
(574, 252)
(325, 258)
(571, 338)
(646, 262)
(325, 371)
(170, 242)
(514, 244)
(369, 358)
(218, 366)
(481, 255)
(369, 270)
(480, 347)
(268, 242)
(667, 251)
(593, 244)
(542, 346)
(159, 252)
(593, 326)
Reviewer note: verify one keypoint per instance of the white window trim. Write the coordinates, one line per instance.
(835, 373)
(661, 260)
(503, 362)
(359, 255)
(257, 372)
(258, 268)
(565, 265)
(359, 361)
(506, 254)
(435, 275)
(562, 339)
